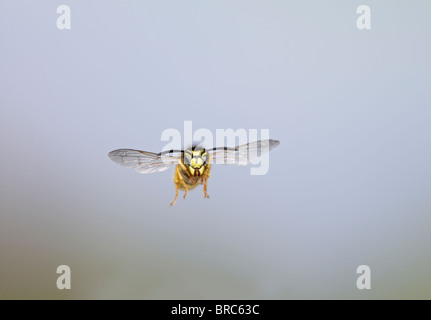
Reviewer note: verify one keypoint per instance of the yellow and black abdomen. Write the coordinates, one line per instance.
(187, 182)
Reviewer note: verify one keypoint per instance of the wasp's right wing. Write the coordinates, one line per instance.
(242, 155)
(145, 162)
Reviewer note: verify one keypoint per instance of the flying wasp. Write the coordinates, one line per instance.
(193, 165)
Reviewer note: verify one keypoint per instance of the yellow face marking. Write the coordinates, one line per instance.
(192, 171)
(201, 170)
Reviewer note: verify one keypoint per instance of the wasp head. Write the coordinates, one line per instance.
(195, 159)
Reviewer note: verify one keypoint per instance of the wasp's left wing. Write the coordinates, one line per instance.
(143, 161)
(243, 154)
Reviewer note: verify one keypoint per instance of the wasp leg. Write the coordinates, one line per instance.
(206, 177)
(176, 194)
(180, 177)
(177, 179)
(187, 191)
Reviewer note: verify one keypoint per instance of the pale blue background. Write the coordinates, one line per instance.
(349, 184)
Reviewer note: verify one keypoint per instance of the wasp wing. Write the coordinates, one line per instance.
(143, 161)
(243, 154)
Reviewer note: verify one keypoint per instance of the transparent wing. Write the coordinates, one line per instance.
(143, 161)
(243, 154)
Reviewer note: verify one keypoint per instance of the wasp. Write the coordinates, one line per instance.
(193, 165)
